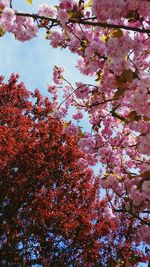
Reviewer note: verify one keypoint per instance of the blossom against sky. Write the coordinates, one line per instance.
(34, 60)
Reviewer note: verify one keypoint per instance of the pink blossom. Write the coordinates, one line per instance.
(105, 154)
(137, 198)
(52, 89)
(62, 16)
(7, 20)
(56, 39)
(87, 143)
(58, 74)
(110, 182)
(71, 129)
(4, 3)
(82, 90)
(92, 160)
(109, 215)
(146, 185)
(47, 11)
(104, 9)
(77, 116)
(66, 4)
(25, 28)
(144, 146)
(144, 234)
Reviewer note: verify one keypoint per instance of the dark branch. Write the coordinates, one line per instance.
(114, 26)
(87, 22)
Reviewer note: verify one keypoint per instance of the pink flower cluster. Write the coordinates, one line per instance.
(82, 90)
(64, 7)
(109, 215)
(77, 116)
(4, 3)
(8, 19)
(58, 75)
(66, 4)
(104, 9)
(47, 11)
(87, 144)
(22, 27)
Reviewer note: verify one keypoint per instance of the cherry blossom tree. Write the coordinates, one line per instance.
(112, 41)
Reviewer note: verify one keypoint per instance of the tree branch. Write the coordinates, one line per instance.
(87, 22)
(114, 26)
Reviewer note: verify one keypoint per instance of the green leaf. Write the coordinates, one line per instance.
(2, 32)
(29, 2)
(87, 5)
(116, 33)
(104, 38)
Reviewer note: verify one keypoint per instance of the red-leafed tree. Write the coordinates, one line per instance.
(48, 202)
(51, 214)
